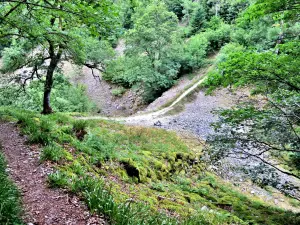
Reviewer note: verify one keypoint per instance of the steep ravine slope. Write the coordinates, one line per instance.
(194, 119)
(112, 165)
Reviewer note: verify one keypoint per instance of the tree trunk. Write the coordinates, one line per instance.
(47, 88)
(49, 79)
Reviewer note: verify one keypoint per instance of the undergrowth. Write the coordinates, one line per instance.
(136, 175)
(10, 205)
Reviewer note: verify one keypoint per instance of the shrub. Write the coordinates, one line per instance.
(226, 50)
(175, 6)
(79, 129)
(58, 179)
(194, 52)
(219, 37)
(118, 91)
(52, 152)
(139, 72)
(198, 19)
(214, 23)
(13, 58)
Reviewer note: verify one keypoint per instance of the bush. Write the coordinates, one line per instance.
(214, 23)
(195, 52)
(228, 11)
(118, 91)
(5, 43)
(79, 129)
(198, 20)
(13, 58)
(219, 37)
(226, 50)
(139, 72)
(176, 7)
(260, 34)
(52, 152)
(263, 34)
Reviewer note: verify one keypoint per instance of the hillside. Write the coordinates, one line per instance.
(149, 112)
(114, 168)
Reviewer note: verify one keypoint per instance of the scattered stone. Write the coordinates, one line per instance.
(158, 124)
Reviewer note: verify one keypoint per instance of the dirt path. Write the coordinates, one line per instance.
(151, 116)
(42, 205)
(196, 116)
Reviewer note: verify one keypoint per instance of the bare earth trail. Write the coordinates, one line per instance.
(42, 205)
(196, 116)
(153, 113)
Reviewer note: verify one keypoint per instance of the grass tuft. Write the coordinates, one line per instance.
(10, 204)
(53, 152)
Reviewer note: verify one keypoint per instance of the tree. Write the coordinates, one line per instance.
(228, 10)
(284, 9)
(53, 30)
(148, 62)
(195, 51)
(175, 6)
(267, 132)
(189, 7)
(198, 19)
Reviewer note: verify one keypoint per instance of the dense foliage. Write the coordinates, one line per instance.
(157, 51)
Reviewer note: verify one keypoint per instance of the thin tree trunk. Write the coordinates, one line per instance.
(49, 79)
(48, 86)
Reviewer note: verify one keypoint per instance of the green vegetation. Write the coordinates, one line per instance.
(264, 57)
(157, 49)
(54, 31)
(10, 204)
(118, 91)
(66, 98)
(134, 174)
(148, 62)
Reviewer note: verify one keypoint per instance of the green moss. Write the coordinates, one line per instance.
(151, 166)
